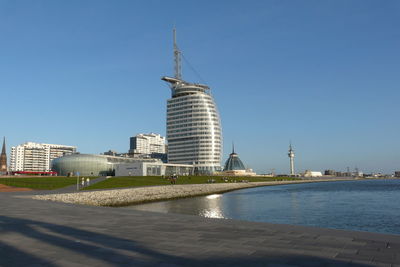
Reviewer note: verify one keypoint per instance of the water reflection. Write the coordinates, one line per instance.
(213, 196)
(355, 205)
(295, 211)
(210, 206)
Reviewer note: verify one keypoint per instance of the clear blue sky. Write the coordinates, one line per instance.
(324, 74)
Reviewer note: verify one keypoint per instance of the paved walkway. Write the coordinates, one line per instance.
(44, 233)
(72, 188)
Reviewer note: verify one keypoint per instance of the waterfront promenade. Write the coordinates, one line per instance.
(129, 196)
(46, 233)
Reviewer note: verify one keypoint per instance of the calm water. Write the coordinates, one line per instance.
(371, 205)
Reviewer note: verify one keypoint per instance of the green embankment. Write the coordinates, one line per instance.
(51, 183)
(40, 183)
(134, 181)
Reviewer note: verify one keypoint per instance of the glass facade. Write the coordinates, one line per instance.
(86, 165)
(193, 127)
(233, 163)
(89, 165)
(153, 170)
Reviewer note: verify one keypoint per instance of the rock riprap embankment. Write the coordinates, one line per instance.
(129, 196)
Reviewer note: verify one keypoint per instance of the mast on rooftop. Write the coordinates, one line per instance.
(177, 59)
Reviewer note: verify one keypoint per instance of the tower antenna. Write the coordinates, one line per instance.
(177, 59)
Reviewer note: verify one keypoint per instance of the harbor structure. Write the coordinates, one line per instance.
(291, 158)
(194, 132)
(36, 157)
(310, 174)
(3, 158)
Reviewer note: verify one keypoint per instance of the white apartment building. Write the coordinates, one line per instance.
(37, 157)
(147, 144)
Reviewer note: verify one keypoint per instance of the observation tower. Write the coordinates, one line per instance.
(291, 157)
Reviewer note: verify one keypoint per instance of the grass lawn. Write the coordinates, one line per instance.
(133, 181)
(41, 182)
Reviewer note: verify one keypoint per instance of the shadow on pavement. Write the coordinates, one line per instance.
(26, 242)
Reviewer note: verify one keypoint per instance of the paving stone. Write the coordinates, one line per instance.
(351, 256)
(57, 234)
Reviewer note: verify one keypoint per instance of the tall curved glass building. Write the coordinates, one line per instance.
(193, 124)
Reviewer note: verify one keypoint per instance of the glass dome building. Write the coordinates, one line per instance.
(235, 167)
(85, 164)
(233, 163)
(90, 165)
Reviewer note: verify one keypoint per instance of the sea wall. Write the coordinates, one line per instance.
(130, 196)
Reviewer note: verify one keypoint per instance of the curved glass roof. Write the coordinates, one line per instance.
(234, 163)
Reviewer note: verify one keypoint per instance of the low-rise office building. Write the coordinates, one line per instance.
(310, 174)
(90, 165)
(155, 168)
(330, 173)
(104, 165)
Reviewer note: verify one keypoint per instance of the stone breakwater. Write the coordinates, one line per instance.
(124, 197)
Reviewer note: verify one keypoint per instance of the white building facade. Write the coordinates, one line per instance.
(154, 168)
(309, 174)
(37, 157)
(147, 144)
(193, 127)
(193, 124)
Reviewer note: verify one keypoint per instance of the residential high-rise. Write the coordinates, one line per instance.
(3, 158)
(291, 157)
(193, 124)
(37, 157)
(147, 144)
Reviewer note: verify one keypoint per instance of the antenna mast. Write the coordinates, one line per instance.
(177, 59)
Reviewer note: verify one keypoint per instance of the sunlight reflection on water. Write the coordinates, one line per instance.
(368, 205)
(213, 196)
(214, 207)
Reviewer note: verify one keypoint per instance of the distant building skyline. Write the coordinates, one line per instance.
(323, 74)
